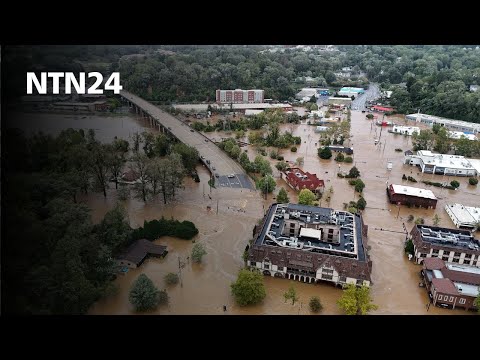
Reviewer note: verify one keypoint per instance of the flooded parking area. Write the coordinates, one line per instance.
(225, 218)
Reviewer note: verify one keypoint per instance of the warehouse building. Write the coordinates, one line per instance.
(443, 164)
(454, 125)
(411, 196)
(464, 217)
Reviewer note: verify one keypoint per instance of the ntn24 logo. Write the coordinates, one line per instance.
(70, 80)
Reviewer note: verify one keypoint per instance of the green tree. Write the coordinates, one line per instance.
(473, 181)
(436, 220)
(455, 184)
(356, 300)
(419, 221)
(282, 196)
(171, 278)
(306, 197)
(359, 185)
(267, 184)
(315, 304)
(143, 294)
(299, 161)
(114, 230)
(354, 173)
(281, 165)
(198, 251)
(189, 155)
(248, 289)
(325, 153)
(161, 145)
(291, 294)
(340, 157)
(409, 248)
(477, 302)
(361, 203)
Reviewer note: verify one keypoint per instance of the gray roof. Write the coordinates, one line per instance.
(139, 250)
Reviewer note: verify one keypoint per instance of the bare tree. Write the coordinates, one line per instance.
(139, 165)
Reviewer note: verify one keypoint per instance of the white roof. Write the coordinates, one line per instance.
(441, 120)
(475, 163)
(465, 214)
(445, 160)
(467, 289)
(311, 233)
(463, 268)
(412, 191)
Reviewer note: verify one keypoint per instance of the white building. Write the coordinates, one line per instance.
(408, 130)
(459, 134)
(321, 129)
(251, 112)
(455, 125)
(464, 217)
(442, 164)
(316, 113)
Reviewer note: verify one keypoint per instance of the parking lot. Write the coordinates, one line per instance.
(238, 181)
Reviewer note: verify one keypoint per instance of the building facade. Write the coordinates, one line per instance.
(411, 196)
(239, 96)
(451, 285)
(450, 245)
(312, 244)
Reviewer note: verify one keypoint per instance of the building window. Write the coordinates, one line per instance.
(455, 260)
(462, 301)
(435, 252)
(343, 279)
(457, 254)
(440, 297)
(359, 282)
(445, 258)
(266, 266)
(451, 298)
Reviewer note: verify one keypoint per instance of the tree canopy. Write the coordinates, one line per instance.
(248, 289)
(306, 197)
(356, 300)
(143, 294)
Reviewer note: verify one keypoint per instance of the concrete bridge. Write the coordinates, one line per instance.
(220, 163)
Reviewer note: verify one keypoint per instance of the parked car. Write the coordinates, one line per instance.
(191, 130)
(230, 176)
(216, 175)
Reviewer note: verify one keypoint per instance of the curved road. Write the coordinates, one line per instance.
(223, 164)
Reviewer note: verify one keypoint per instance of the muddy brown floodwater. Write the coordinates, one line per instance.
(205, 288)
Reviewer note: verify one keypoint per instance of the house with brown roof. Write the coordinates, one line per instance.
(312, 244)
(140, 250)
(298, 179)
(451, 245)
(451, 285)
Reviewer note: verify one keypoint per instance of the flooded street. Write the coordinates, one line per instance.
(205, 288)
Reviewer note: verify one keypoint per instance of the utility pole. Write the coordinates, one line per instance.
(180, 271)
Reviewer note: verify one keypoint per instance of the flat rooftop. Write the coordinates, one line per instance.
(453, 238)
(442, 120)
(349, 245)
(413, 191)
(464, 214)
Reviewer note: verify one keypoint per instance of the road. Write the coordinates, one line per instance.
(372, 93)
(219, 160)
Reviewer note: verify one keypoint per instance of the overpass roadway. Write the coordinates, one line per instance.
(223, 164)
